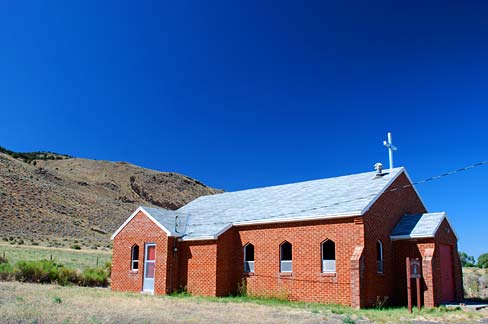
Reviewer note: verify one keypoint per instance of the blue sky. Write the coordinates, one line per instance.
(256, 93)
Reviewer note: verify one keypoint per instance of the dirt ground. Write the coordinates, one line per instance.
(35, 303)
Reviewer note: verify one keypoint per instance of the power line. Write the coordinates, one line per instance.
(433, 178)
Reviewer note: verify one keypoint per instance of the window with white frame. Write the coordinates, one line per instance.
(328, 256)
(286, 257)
(379, 257)
(249, 258)
(134, 263)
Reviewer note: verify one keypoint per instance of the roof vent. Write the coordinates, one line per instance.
(379, 170)
(378, 167)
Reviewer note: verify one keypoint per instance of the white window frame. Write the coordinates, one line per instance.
(248, 265)
(379, 258)
(328, 265)
(286, 262)
(132, 260)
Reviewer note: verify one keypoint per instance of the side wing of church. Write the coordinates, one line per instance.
(339, 240)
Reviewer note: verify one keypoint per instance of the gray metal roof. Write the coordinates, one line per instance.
(173, 221)
(209, 216)
(418, 226)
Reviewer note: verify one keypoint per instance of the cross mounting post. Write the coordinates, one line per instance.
(391, 148)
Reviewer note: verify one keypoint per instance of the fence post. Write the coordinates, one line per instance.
(97, 261)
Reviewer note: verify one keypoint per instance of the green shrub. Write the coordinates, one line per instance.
(466, 260)
(68, 276)
(76, 247)
(47, 271)
(94, 277)
(6, 271)
(3, 259)
(483, 260)
(42, 271)
(108, 267)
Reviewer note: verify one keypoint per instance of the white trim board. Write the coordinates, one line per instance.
(141, 209)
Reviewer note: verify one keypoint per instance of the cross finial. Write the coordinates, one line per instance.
(391, 148)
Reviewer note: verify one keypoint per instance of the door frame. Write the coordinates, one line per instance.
(451, 272)
(146, 261)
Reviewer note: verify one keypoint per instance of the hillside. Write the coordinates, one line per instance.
(71, 201)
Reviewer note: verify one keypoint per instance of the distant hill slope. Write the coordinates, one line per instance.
(71, 201)
(29, 157)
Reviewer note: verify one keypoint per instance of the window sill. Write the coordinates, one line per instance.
(328, 274)
(380, 274)
(133, 271)
(285, 274)
(249, 274)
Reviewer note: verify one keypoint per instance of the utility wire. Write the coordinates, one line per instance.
(437, 177)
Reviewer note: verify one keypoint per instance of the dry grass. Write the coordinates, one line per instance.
(476, 283)
(79, 259)
(33, 303)
(28, 303)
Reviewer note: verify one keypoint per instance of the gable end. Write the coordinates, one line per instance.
(141, 209)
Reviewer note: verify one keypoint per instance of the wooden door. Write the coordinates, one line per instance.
(447, 273)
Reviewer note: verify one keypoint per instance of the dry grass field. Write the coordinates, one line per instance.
(79, 259)
(476, 283)
(34, 303)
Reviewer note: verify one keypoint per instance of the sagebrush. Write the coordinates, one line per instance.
(48, 271)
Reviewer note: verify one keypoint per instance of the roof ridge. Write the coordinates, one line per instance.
(290, 184)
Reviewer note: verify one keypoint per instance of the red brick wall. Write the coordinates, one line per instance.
(229, 263)
(379, 221)
(306, 282)
(201, 274)
(198, 267)
(139, 230)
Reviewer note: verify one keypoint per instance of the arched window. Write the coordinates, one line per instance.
(328, 256)
(379, 257)
(248, 257)
(286, 257)
(134, 263)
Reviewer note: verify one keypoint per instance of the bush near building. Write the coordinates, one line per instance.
(47, 271)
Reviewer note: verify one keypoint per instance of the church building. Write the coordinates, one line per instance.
(341, 240)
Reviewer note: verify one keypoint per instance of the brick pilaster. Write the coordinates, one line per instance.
(427, 274)
(356, 260)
